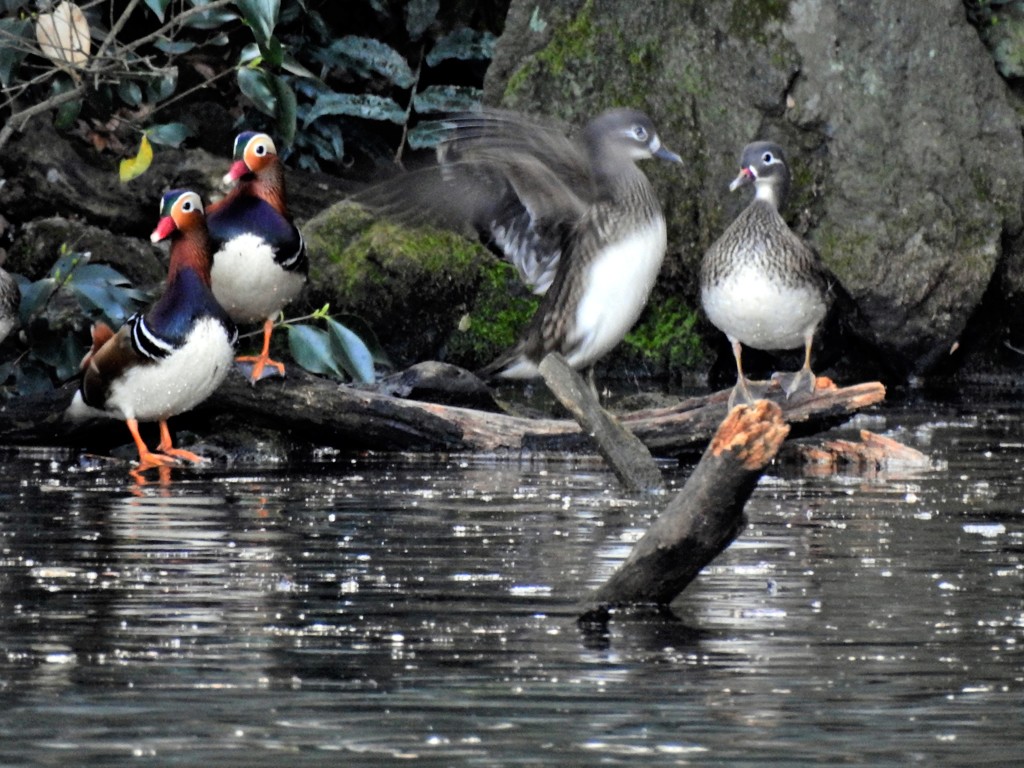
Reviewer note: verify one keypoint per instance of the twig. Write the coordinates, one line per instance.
(99, 65)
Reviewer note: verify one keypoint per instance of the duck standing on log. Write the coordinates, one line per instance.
(760, 284)
(578, 219)
(10, 299)
(172, 357)
(259, 261)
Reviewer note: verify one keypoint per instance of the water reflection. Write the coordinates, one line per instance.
(381, 609)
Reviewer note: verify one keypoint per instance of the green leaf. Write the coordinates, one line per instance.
(363, 330)
(351, 352)
(428, 134)
(34, 296)
(261, 16)
(249, 54)
(292, 66)
(419, 15)
(365, 105)
(210, 19)
(448, 98)
(159, 7)
(366, 56)
(63, 353)
(311, 349)
(285, 109)
(130, 93)
(67, 263)
(272, 52)
(67, 112)
(32, 379)
(258, 89)
(159, 88)
(168, 134)
(15, 35)
(173, 47)
(464, 44)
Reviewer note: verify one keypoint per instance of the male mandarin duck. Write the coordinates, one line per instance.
(172, 357)
(259, 260)
(760, 283)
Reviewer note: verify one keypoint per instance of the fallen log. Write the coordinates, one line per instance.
(322, 412)
(701, 520)
(623, 451)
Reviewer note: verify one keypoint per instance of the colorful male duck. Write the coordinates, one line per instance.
(259, 261)
(171, 358)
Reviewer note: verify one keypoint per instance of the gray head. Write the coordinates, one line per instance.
(763, 164)
(620, 136)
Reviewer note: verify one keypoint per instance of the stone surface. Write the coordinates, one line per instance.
(411, 286)
(907, 153)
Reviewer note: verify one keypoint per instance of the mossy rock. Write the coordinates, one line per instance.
(411, 285)
(502, 308)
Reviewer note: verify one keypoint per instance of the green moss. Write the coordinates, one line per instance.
(750, 19)
(571, 43)
(846, 254)
(500, 312)
(667, 335)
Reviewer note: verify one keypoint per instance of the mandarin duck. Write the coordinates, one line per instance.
(578, 219)
(10, 299)
(259, 260)
(172, 357)
(760, 284)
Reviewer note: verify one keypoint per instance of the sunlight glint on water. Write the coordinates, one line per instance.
(386, 609)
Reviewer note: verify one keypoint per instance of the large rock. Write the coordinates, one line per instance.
(908, 162)
(410, 285)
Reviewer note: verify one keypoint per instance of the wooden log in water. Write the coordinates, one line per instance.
(322, 412)
(626, 454)
(702, 519)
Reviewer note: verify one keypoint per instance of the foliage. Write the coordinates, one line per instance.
(56, 311)
(333, 82)
(56, 342)
(339, 350)
(667, 335)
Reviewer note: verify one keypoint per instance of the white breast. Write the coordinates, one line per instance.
(748, 307)
(178, 382)
(617, 286)
(248, 283)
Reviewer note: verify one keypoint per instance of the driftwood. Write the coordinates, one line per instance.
(627, 456)
(321, 412)
(873, 453)
(702, 519)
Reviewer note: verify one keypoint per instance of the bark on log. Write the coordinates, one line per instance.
(321, 412)
(702, 519)
(627, 456)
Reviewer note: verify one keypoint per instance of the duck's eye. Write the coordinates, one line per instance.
(639, 133)
(768, 158)
(261, 150)
(186, 206)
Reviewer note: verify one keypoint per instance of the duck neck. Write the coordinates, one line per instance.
(267, 185)
(190, 251)
(772, 192)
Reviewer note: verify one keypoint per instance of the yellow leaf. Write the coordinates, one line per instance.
(133, 167)
(63, 35)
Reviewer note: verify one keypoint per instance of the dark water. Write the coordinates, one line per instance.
(392, 610)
